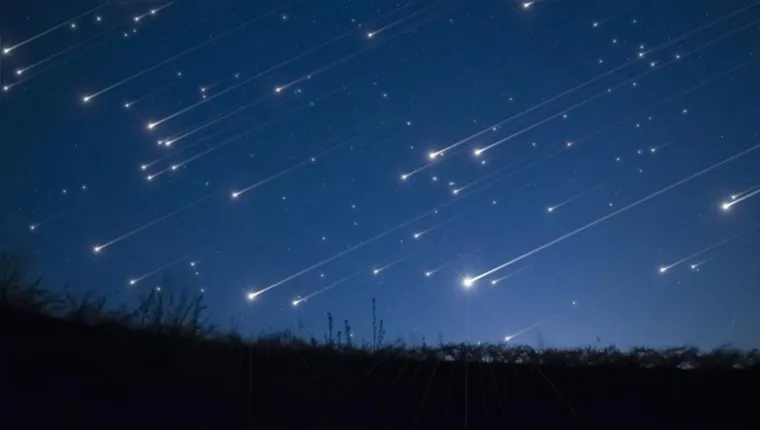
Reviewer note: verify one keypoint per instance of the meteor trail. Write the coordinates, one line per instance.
(608, 91)
(527, 329)
(389, 265)
(374, 33)
(151, 12)
(9, 49)
(551, 209)
(613, 214)
(419, 234)
(325, 289)
(589, 82)
(181, 54)
(498, 173)
(727, 206)
(745, 191)
(134, 281)
(497, 280)
(247, 80)
(55, 55)
(147, 95)
(664, 269)
(97, 249)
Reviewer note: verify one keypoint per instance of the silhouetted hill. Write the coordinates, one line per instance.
(62, 374)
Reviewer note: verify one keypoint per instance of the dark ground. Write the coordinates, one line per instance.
(58, 374)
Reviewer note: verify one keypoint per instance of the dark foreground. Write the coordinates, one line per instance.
(60, 375)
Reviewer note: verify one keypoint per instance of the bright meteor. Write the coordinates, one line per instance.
(325, 289)
(727, 205)
(99, 248)
(615, 213)
(529, 328)
(374, 33)
(497, 280)
(664, 269)
(378, 270)
(7, 50)
(553, 208)
(176, 56)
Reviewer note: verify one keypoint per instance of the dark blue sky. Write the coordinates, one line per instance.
(606, 102)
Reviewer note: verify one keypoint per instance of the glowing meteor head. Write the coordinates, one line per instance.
(456, 191)
(143, 167)
(725, 206)
(370, 35)
(251, 296)
(278, 89)
(468, 282)
(97, 249)
(168, 142)
(175, 166)
(19, 72)
(152, 125)
(203, 89)
(417, 235)
(404, 177)
(527, 4)
(136, 19)
(494, 282)
(734, 197)
(375, 271)
(694, 266)
(550, 209)
(86, 99)
(477, 152)
(132, 281)
(235, 194)
(152, 11)
(127, 105)
(663, 269)
(428, 274)
(7, 51)
(432, 155)
(32, 227)
(6, 88)
(150, 177)
(508, 338)
(296, 302)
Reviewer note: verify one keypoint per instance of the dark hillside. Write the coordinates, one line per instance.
(61, 374)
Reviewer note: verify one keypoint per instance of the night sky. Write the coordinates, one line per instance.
(552, 172)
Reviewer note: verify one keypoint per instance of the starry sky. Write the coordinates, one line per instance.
(575, 171)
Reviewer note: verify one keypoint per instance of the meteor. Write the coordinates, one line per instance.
(353, 248)
(374, 33)
(607, 91)
(441, 224)
(181, 54)
(590, 81)
(73, 47)
(727, 206)
(389, 265)
(215, 120)
(616, 213)
(151, 12)
(149, 94)
(100, 247)
(325, 289)
(497, 280)
(529, 328)
(137, 279)
(247, 80)
(7, 50)
(500, 174)
(36, 226)
(664, 269)
(745, 191)
(553, 208)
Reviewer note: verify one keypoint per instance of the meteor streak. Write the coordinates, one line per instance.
(664, 269)
(441, 224)
(745, 191)
(151, 12)
(134, 281)
(181, 54)
(374, 33)
(247, 80)
(527, 329)
(498, 173)
(325, 289)
(727, 206)
(497, 280)
(389, 265)
(99, 248)
(9, 49)
(576, 197)
(73, 47)
(151, 94)
(589, 82)
(617, 212)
